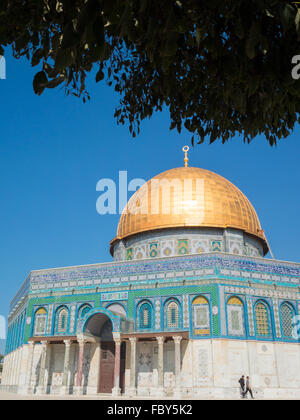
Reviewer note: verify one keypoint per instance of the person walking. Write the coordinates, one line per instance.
(242, 385)
(248, 388)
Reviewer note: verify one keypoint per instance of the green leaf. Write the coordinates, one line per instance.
(70, 38)
(37, 56)
(64, 59)
(55, 82)
(99, 35)
(239, 29)
(39, 82)
(170, 48)
(264, 44)
(250, 50)
(99, 76)
(98, 28)
(297, 21)
(198, 37)
(253, 40)
(287, 15)
(88, 15)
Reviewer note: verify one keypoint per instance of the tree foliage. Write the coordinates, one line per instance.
(221, 67)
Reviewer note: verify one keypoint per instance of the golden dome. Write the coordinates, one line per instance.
(192, 197)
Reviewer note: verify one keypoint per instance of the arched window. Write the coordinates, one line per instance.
(40, 321)
(117, 308)
(62, 320)
(172, 315)
(145, 316)
(84, 310)
(201, 316)
(287, 314)
(262, 318)
(235, 317)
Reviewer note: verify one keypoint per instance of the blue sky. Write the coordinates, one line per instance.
(54, 149)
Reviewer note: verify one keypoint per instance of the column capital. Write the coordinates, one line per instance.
(67, 343)
(117, 338)
(177, 339)
(31, 343)
(81, 342)
(160, 339)
(41, 386)
(116, 389)
(133, 340)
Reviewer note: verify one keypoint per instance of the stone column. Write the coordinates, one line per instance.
(116, 389)
(41, 389)
(29, 388)
(160, 367)
(13, 367)
(18, 369)
(98, 357)
(177, 391)
(3, 379)
(65, 390)
(79, 387)
(48, 378)
(132, 388)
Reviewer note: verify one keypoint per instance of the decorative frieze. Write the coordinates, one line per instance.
(276, 317)
(114, 296)
(72, 318)
(286, 272)
(250, 317)
(157, 314)
(263, 292)
(50, 315)
(185, 311)
(222, 310)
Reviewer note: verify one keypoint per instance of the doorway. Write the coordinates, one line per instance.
(107, 367)
(107, 364)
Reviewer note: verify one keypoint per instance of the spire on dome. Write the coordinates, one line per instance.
(185, 149)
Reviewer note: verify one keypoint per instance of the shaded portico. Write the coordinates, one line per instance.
(99, 327)
(159, 338)
(108, 348)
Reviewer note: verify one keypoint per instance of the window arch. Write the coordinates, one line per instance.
(172, 315)
(117, 308)
(40, 321)
(145, 316)
(235, 317)
(287, 314)
(262, 318)
(62, 320)
(201, 316)
(84, 310)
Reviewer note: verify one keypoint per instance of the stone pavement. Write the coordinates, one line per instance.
(11, 397)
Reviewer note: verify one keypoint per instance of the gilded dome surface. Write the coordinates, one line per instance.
(188, 197)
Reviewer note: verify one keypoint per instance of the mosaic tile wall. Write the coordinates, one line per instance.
(216, 296)
(168, 243)
(216, 275)
(101, 275)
